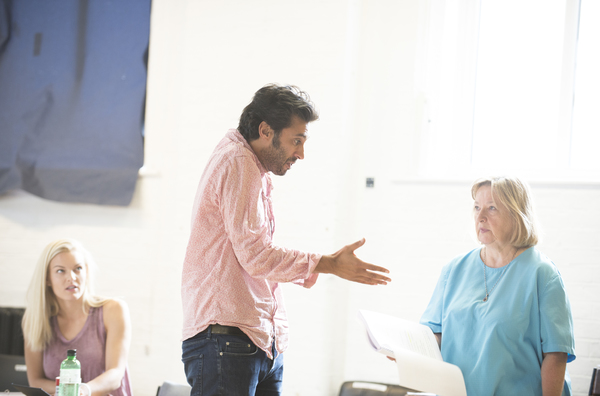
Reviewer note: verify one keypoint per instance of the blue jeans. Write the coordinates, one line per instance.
(230, 365)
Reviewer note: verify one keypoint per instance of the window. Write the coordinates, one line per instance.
(511, 88)
(585, 133)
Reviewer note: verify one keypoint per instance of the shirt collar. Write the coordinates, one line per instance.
(235, 136)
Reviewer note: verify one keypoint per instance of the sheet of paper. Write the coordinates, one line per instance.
(428, 375)
(388, 333)
(418, 357)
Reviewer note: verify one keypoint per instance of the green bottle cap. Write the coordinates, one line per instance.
(72, 352)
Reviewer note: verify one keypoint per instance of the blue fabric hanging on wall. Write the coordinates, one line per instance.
(72, 98)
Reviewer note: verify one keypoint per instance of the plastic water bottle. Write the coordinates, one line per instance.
(70, 375)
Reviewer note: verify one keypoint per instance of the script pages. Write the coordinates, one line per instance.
(418, 357)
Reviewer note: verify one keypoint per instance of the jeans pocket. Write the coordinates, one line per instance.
(240, 348)
(193, 351)
(193, 372)
(194, 347)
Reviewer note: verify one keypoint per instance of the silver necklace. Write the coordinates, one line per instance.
(487, 294)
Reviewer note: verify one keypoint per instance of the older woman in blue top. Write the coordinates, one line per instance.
(501, 312)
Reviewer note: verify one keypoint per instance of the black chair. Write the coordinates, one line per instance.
(365, 388)
(12, 370)
(169, 388)
(11, 335)
(595, 383)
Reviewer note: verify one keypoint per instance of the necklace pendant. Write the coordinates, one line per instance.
(485, 298)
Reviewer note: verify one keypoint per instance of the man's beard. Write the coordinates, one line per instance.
(275, 159)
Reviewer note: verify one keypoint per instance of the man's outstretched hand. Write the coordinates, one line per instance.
(346, 265)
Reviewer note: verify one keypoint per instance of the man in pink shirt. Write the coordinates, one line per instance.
(235, 324)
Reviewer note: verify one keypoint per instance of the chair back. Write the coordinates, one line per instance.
(12, 370)
(595, 383)
(365, 388)
(169, 388)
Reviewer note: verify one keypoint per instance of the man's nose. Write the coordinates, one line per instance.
(300, 152)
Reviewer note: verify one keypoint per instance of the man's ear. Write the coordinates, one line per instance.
(265, 131)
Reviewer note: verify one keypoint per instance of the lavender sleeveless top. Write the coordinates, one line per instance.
(91, 351)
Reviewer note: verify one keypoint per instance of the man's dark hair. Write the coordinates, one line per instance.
(276, 105)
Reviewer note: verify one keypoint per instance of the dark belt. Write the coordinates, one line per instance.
(218, 329)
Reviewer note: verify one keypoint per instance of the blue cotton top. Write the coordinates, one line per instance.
(498, 344)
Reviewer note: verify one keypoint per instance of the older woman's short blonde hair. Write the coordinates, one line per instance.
(515, 195)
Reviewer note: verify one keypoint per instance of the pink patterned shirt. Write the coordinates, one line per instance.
(232, 269)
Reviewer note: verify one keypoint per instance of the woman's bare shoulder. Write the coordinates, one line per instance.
(115, 309)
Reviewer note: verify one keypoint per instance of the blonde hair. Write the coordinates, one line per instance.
(516, 196)
(41, 301)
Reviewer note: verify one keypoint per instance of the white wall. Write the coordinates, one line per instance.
(357, 60)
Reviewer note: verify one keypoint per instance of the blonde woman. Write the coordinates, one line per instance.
(64, 313)
(500, 312)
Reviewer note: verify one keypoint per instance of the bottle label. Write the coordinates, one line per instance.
(69, 389)
(69, 376)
